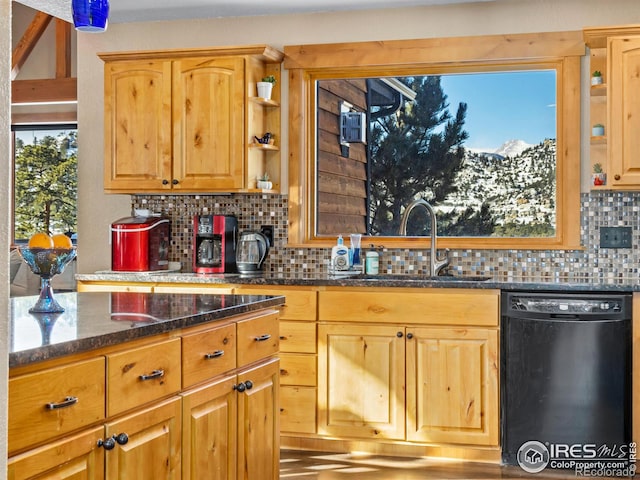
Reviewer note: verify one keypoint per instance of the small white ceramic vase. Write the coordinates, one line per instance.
(264, 90)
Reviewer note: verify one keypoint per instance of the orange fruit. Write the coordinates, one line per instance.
(40, 240)
(60, 240)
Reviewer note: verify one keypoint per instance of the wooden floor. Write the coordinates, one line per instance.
(297, 465)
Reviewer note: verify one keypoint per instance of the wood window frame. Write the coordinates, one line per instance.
(308, 63)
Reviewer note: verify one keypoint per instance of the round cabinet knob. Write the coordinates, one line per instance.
(122, 438)
(240, 387)
(249, 384)
(175, 181)
(399, 334)
(165, 181)
(108, 444)
(409, 336)
(616, 176)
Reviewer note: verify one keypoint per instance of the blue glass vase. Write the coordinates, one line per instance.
(90, 15)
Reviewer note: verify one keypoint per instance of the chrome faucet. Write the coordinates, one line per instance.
(436, 263)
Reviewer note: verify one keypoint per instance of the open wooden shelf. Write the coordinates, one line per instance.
(265, 146)
(267, 102)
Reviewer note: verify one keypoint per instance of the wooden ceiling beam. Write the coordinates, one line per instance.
(44, 90)
(63, 49)
(31, 36)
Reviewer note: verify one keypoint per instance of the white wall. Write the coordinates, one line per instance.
(5, 175)
(96, 210)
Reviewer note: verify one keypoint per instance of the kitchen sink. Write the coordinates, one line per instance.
(417, 278)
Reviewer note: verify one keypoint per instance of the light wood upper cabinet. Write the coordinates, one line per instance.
(624, 111)
(616, 104)
(208, 103)
(186, 120)
(137, 120)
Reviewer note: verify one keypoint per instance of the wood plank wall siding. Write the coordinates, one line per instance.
(306, 64)
(342, 180)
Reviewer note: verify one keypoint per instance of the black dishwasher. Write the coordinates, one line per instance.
(565, 374)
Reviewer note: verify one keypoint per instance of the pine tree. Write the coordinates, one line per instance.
(415, 152)
(46, 185)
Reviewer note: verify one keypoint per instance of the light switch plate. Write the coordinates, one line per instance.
(615, 237)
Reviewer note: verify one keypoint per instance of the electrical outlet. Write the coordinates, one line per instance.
(267, 231)
(615, 237)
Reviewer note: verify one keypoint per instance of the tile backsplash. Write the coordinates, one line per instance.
(598, 209)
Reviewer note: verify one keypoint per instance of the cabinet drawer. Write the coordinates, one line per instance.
(298, 304)
(434, 307)
(298, 409)
(257, 338)
(297, 369)
(140, 375)
(297, 337)
(207, 354)
(35, 410)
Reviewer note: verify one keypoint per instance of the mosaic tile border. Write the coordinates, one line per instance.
(598, 209)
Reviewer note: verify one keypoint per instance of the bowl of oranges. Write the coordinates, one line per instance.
(47, 255)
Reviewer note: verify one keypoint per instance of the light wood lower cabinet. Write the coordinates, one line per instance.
(137, 417)
(298, 355)
(210, 430)
(361, 381)
(258, 423)
(449, 375)
(231, 427)
(153, 448)
(409, 382)
(452, 385)
(74, 457)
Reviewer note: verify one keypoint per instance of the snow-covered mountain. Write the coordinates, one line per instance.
(519, 187)
(510, 148)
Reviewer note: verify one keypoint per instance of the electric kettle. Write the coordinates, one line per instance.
(251, 252)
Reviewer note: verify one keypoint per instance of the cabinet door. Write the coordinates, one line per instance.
(153, 450)
(137, 118)
(624, 120)
(209, 432)
(452, 385)
(258, 423)
(75, 457)
(208, 116)
(361, 381)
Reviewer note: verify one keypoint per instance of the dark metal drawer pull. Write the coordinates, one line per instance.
(216, 354)
(152, 375)
(67, 402)
(262, 338)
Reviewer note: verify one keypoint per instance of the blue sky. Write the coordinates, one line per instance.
(504, 106)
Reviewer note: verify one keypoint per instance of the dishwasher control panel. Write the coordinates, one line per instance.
(570, 304)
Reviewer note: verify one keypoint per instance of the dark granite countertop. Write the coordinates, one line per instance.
(95, 320)
(552, 283)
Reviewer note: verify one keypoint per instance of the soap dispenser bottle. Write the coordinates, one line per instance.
(339, 256)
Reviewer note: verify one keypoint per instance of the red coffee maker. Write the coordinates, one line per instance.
(214, 243)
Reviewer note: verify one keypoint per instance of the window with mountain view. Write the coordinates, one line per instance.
(45, 180)
(479, 147)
